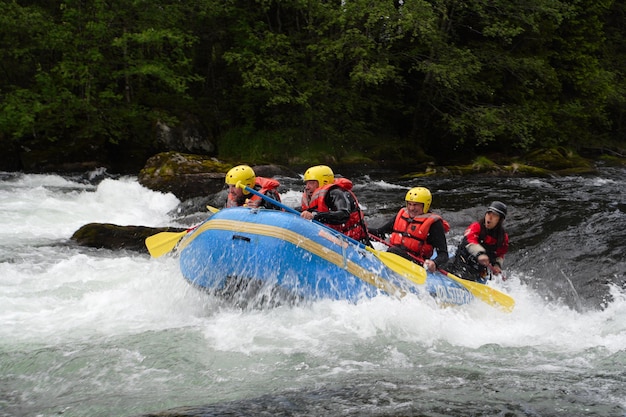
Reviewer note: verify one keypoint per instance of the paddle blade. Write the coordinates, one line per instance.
(486, 293)
(409, 270)
(212, 209)
(162, 243)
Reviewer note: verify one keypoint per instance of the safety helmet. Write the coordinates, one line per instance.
(242, 173)
(420, 195)
(499, 208)
(320, 173)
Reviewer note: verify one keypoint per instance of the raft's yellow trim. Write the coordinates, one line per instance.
(300, 241)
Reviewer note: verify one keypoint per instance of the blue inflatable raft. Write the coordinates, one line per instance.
(276, 252)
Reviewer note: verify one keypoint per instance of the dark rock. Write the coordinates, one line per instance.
(187, 212)
(189, 176)
(184, 175)
(190, 136)
(110, 236)
(272, 170)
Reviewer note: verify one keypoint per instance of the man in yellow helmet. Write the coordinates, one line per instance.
(416, 233)
(330, 201)
(238, 197)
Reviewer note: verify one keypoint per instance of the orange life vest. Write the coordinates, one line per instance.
(262, 185)
(411, 233)
(354, 227)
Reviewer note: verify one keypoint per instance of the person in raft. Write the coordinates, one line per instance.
(330, 201)
(416, 232)
(484, 244)
(238, 197)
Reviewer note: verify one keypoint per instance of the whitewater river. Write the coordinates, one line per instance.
(86, 332)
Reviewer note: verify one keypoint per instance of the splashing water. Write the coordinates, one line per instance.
(103, 333)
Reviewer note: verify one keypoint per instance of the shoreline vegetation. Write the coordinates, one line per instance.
(188, 176)
(421, 87)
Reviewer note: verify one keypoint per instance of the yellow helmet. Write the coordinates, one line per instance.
(420, 195)
(242, 173)
(320, 173)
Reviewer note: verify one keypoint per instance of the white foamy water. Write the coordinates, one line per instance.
(98, 332)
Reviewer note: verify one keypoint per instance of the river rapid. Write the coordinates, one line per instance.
(87, 332)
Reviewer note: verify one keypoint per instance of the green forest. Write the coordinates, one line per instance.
(307, 80)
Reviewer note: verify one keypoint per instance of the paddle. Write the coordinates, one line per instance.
(403, 267)
(162, 243)
(488, 294)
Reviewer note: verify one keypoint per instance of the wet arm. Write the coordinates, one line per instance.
(383, 230)
(501, 251)
(437, 238)
(273, 195)
(471, 234)
(339, 207)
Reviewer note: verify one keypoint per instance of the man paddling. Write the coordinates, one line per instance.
(239, 197)
(330, 201)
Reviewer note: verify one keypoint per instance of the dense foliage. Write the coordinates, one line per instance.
(285, 79)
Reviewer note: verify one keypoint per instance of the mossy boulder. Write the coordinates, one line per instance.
(614, 161)
(539, 163)
(189, 176)
(560, 160)
(114, 237)
(184, 175)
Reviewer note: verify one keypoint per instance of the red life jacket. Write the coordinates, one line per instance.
(262, 185)
(411, 233)
(354, 227)
(477, 234)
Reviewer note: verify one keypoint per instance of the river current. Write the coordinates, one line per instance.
(94, 332)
